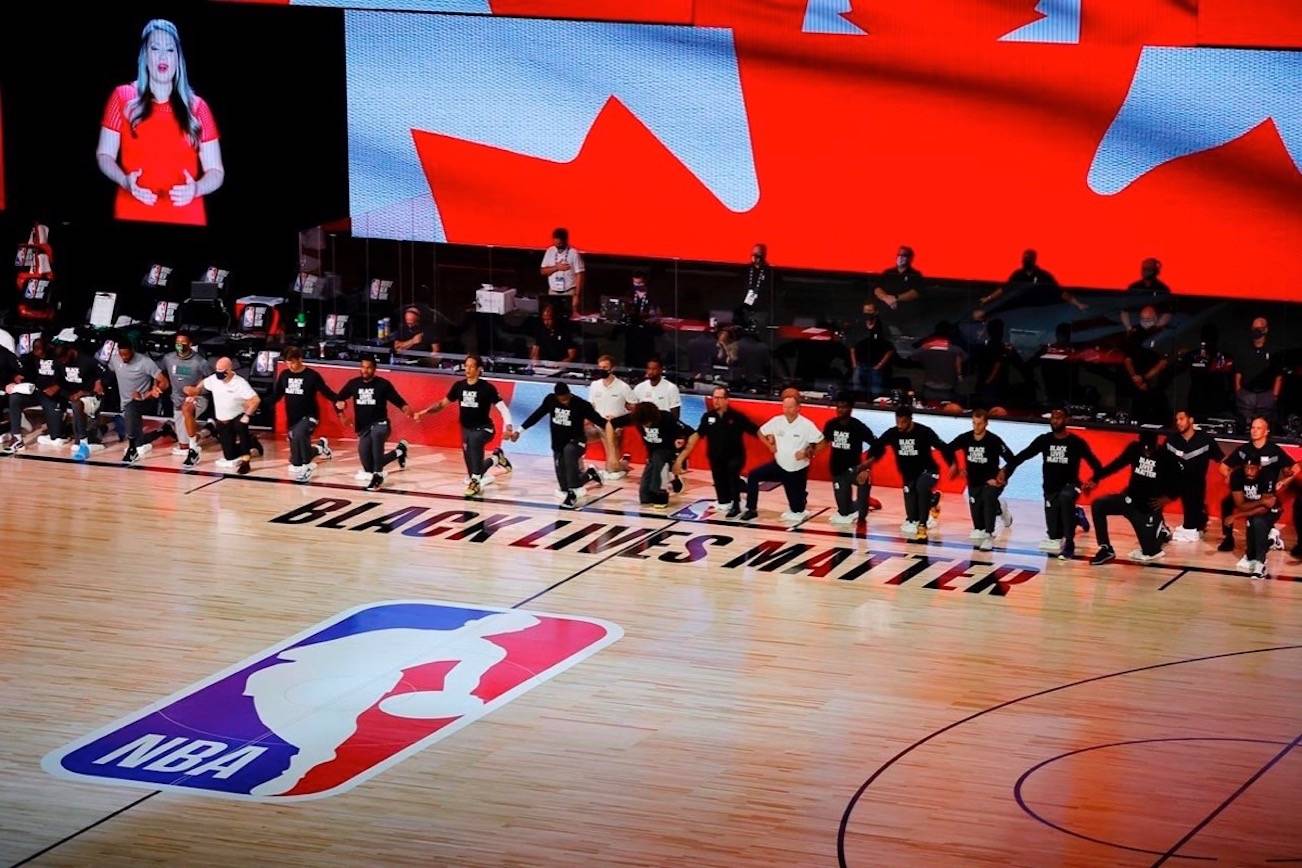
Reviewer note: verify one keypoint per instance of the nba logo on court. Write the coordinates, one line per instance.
(325, 710)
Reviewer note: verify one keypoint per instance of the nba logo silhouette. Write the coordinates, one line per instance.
(325, 710)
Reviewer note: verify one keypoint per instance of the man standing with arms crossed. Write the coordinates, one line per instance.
(475, 398)
(299, 386)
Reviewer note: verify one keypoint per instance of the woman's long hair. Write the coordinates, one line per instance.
(182, 98)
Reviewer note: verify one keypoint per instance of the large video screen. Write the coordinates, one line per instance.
(1099, 133)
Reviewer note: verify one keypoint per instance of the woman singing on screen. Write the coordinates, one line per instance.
(158, 141)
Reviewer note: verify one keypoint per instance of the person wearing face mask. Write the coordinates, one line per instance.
(1258, 380)
(371, 397)
(563, 267)
(140, 382)
(298, 385)
(1062, 453)
(760, 288)
(640, 336)
(872, 354)
(611, 397)
(186, 366)
(723, 429)
(234, 403)
(1148, 290)
(1147, 369)
(897, 289)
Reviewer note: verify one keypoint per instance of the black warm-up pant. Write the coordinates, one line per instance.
(235, 437)
(983, 501)
(370, 448)
(1193, 500)
(850, 496)
(473, 441)
(726, 473)
(1143, 518)
(301, 450)
(652, 489)
(1258, 534)
(51, 407)
(918, 496)
(133, 413)
(794, 482)
(566, 460)
(1060, 513)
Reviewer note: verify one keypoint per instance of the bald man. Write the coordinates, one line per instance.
(234, 403)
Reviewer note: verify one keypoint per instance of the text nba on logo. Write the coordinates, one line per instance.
(325, 710)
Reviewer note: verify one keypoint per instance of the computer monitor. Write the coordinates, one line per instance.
(264, 363)
(157, 275)
(380, 289)
(164, 315)
(101, 309)
(336, 325)
(216, 275)
(106, 351)
(254, 318)
(36, 289)
(25, 342)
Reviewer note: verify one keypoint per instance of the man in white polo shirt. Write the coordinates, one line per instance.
(562, 265)
(610, 397)
(793, 439)
(655, 389)
(234, 403)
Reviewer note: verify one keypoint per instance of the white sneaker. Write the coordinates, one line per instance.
(1139, 556)
(794, 516)
(612, 475)
(223, 464)
(486, 479)
(1005, 514)
(986, 544)
(977, 534)
(1050, 545)
(180, 451)
(721, 506)
(306, 474)
(1185, 534)
(909, 528)
(931, 523)
(295, 471)
(56, 442)
(1259, 570)
(1244, 565)
(145, 448)
(1274, 542)
(558, 493)
(837, 518)
(362, 476)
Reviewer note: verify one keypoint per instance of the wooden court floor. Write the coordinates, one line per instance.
(855, 699)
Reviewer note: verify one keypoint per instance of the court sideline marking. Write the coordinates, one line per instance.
(529, 599)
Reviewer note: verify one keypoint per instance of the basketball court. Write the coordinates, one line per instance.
(700, 692)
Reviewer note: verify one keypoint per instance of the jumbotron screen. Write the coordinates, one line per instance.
(1099, 132)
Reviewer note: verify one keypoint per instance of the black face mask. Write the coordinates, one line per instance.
(1258, 334)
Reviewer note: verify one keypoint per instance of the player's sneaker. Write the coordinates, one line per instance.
(676, 484)
(571, 500)
(306, 473)
(363, 476)
(255, 446)
(909, 528)
(733, 511)
(658, 507)
(473, 488)
(1244, 565)
(720, 506)
(243, 466)
(377, 480)
(838, 518)
(1082, 520)
(1259, 570)
(1163, 533)
(81, 452)
(591, 475)
(16, 445)
(1067, 552)
(1048, 544)
(500, 457)
(792, 516)
(612, 475)
(131, 455)
(54, 442)
(1227, 543)
(402, 448)
(976, 534)
(1275, 542)
(1102, 556)
(1005, 513)
(191, 458)
(748, 515)
(180, 450)
(921, 535)
(1139, 557)
(323, 449)
(986, 544)
(1185, 535)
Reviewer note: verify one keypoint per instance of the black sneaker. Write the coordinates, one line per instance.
(244, 467)
(323, 448)
(401, 449)
(1227, 543)
(500, 457)
(676, 484)
(377, 479)
(131, 456)
(748, 515)
(591, 475)
(1102, 556)
(733, 511)
(1068, 551)
(191, 458)
(1163, 534)
(570, 501)
(1082, 520)
(255, 447)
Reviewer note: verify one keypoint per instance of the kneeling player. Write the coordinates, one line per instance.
(982, 452)
(1154, 480)
(1256, 501)
(299, 386)
(662, 435)
(567, 414)
(848, 438)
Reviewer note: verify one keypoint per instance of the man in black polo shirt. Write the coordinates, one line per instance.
(848, 438)
(37, 385)
(566, 415)
(982, 452)
(871, 354)
(1276, 466)
(1028, 286)
(723, 430)
(1154, 477)
(371, 397)
(1194, 451)
(1146, 367)
(1148, 290)
(1062, 453)
(476, 398)
(913, 443)
(899, 288)
(551, 340)
(299, 386)
(1257, 377)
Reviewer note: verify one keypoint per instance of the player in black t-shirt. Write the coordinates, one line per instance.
(1194, 451)
(38, 384)
(663, 435)
(913, 443)
(1276, 464)
(371, 397)
(848, 438)
(1062, 453)
(299, 386)
(78, 373)
(476, 398)
(1154, 479)
(566, 417)
(723, 430)
(982, 452)
(1254, 492)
